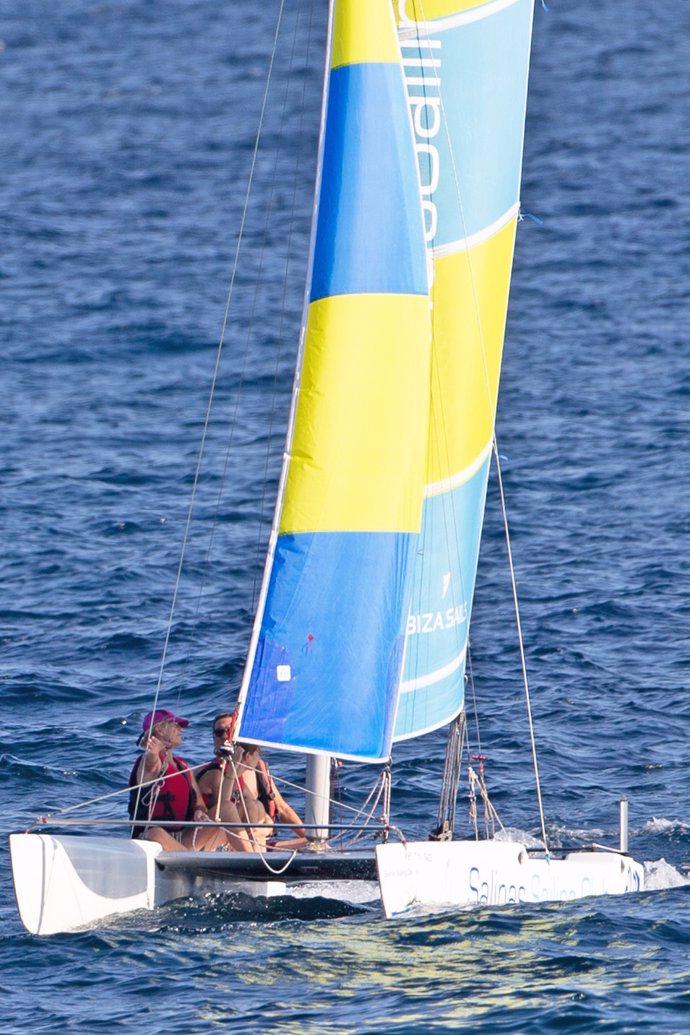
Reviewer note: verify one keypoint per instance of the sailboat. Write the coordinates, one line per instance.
(361, 634)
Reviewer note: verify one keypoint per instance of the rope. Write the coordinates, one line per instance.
(474, 702)
(46, 818)
(273, 870)
(113, 794)
(383, 785)
(251, 322)
(491, 817)
(380, 787)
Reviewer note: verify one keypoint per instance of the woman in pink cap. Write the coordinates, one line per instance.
(163, 789)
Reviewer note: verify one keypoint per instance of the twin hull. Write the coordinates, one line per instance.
(67, 883)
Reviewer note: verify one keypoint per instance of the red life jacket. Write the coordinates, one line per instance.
(169, 796)
(207, 768)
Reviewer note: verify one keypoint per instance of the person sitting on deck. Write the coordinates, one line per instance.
(258, 787)
(219, 786)
(163, 788)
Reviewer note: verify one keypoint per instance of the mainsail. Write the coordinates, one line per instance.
(466, 68)
(327, 651)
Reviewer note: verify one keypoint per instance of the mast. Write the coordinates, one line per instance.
(318, 798)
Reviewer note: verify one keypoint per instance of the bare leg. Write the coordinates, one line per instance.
(163, 838)
(291, 845)
(199, 839)
(261, 827)
(239, 840)
(204, 839)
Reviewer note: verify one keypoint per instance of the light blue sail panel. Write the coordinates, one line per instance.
(432, 690)
(369, 187)
(439, 699)
(332, 633)
(480, 107)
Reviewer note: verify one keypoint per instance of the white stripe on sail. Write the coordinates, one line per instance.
(485, 234)
(408, 29)
(430, 729)
(421, 62)
(436, 676)
(460, 477)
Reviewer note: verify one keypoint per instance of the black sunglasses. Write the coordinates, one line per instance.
(220, 730)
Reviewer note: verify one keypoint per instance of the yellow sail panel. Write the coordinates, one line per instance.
(363, 31)
(428, 10)
(359, 449)
(470, 300)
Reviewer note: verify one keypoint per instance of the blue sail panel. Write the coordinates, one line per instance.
(432, 689)
(331, 632)
(366, 159)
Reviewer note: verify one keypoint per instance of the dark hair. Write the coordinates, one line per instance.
(222, 715)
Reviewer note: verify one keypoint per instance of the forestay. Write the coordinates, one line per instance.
(327, 651)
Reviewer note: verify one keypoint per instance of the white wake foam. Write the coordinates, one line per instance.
(659, 875)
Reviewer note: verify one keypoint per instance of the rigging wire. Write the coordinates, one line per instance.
(269, 210)
(214, 379)
(474, 702)
(219, 350)
(523, 661)
(419, 7)
(381, 788)
(274, 394)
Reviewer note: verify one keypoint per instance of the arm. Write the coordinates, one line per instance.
(286, 813)
(200, 810)
(216, 787)
(208, 786)
(151, 762)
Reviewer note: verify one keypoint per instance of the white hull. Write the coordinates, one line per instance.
(436, 874)
(66, 883)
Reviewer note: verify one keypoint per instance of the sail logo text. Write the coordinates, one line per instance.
(432, 621)
(421, 61)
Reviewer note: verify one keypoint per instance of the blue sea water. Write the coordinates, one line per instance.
(127, 143)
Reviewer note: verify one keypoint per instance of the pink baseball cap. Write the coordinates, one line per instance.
(162, 715)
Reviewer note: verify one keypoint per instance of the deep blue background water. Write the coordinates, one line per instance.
(127, 141)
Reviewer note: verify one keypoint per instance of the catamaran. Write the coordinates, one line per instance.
(362, 627)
